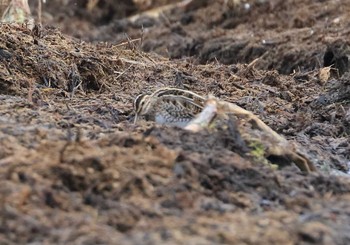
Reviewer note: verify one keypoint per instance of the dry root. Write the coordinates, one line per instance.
(205, 117)
(277, 145)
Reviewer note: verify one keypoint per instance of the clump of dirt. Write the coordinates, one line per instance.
(76, 170)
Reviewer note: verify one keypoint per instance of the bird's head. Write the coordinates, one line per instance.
(141, 105)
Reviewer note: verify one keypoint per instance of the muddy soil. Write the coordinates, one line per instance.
(75, 169)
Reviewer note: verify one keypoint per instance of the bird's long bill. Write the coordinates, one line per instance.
(135, 118)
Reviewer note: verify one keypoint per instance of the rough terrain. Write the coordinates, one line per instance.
(76, 170)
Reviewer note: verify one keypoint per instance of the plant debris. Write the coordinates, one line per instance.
(75, 169)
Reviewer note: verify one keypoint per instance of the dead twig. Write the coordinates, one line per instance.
(128, 42)
(205, 117)
(39, 11)
(276, 145)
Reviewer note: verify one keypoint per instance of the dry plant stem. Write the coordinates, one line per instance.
(156, 12)
(16, 11)
(204, 118)
(128, 42)
(283, 147)
(3, 6)
(39, 11)
(251, 64)
(235, 109)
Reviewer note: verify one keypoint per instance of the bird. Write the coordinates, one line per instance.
(169, 106)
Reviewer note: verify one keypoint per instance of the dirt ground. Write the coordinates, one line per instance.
(75, 169)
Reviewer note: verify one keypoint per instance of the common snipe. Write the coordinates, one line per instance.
(171, 106)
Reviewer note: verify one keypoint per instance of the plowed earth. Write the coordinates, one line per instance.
(76, 170)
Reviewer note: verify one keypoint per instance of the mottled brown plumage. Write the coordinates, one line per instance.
(170, 106)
